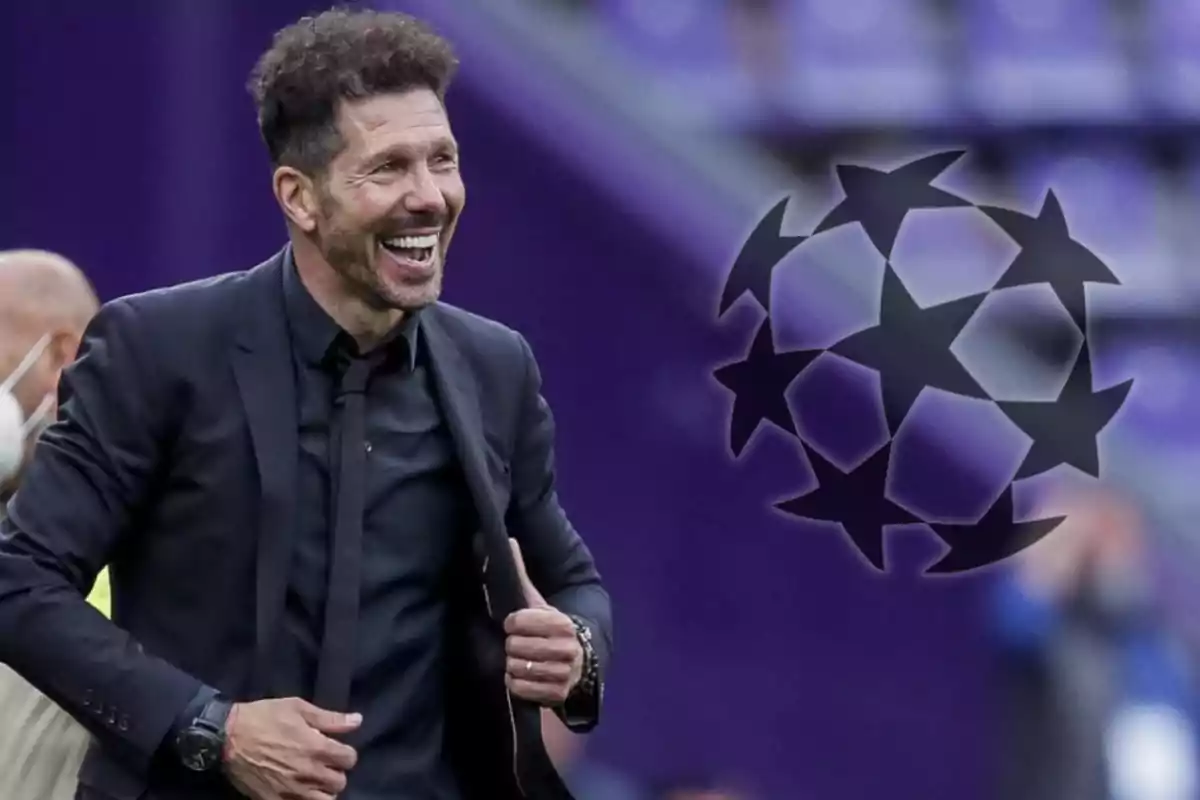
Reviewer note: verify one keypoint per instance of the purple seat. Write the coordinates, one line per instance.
(1114, 201)
(1185, 208)
(1173, 55)
(864, 60)
(1045, 60)
(684, 48)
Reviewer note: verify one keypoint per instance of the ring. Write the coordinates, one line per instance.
(528, 667)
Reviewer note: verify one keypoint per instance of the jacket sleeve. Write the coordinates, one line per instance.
(558, 561)
(93, 472)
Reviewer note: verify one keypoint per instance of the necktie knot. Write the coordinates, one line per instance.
(354, 375)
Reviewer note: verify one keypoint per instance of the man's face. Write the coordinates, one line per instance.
(391, 199)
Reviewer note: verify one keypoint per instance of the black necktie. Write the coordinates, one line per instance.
(338, 643)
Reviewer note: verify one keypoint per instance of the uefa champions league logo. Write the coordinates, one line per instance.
(909, 348)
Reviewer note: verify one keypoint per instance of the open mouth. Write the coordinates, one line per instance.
(417, 249)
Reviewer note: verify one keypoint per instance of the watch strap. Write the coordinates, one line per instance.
(215, 715)
(589, 679)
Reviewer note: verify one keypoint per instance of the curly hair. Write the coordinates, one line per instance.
(341, 54)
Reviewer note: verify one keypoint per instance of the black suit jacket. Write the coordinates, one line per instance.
(174, 462)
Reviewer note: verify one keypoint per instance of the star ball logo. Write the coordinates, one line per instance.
(910, 350)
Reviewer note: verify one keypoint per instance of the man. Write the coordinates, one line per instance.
(326, 498)
(45, 305)
(1098, 699)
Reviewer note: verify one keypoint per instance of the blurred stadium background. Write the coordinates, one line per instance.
(617, 153)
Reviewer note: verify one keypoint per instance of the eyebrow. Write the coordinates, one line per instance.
(407, 151)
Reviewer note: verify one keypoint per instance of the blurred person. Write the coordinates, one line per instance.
(1099, 696)
(46, 304)
(697, 790)
(587, 778)
(760, 41)
(305, 477)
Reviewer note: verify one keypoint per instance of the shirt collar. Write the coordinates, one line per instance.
(314, 333)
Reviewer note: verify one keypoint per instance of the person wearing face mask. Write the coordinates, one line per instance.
(45, 305)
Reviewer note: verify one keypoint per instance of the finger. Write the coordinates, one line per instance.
(325, 779)
(524, 648)
(539, 671)
(541, 693)
(329, 721)
(532, 596)
(339, 755)
(547, 622)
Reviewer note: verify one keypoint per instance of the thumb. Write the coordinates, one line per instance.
(329, 721)
(532, 596)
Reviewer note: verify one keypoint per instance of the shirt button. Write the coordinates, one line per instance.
(368, 447)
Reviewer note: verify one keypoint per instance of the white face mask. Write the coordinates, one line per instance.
(15, 429)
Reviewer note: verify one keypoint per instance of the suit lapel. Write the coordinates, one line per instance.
(459, 393)
(262, 366)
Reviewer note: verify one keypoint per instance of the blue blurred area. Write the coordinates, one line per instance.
(933, 62)
(616, 154)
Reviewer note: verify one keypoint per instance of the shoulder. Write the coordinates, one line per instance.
(478, 336)
(172, 332)
(187, 315)
(210, 300)
(475, 327)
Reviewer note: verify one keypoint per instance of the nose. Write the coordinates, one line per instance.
(424, 195)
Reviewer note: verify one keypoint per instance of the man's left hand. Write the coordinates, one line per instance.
(545, 658)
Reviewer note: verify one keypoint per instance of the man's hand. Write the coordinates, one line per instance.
(282, 750)
(545, 659)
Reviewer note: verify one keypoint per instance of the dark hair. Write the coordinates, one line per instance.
(341, 54)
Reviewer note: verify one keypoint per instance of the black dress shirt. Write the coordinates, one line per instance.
(416, 536)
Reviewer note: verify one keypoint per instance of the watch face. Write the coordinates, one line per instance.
(199, 750)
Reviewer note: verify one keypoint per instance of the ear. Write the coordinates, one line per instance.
(297, 197)
(64, 347)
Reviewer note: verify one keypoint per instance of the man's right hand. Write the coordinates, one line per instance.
(283, 750)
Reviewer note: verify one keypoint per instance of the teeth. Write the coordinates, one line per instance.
(412, 242)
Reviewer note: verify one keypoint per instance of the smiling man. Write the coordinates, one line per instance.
(339, 563)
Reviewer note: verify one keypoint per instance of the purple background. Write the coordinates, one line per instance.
(748, 644)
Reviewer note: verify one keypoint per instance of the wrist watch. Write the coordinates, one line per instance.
(590, 676)
(200, 745)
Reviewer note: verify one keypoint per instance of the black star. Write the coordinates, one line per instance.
(758, 384)
(856, 500)
(879, 200)
(993, 538)
(1064, 431)
(910, 348)
(752, 270)
(1049, 255)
